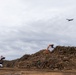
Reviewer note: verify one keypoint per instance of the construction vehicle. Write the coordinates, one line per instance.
(1, 61)
(48, 48)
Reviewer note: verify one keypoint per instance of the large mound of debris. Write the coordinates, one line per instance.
(61, 58)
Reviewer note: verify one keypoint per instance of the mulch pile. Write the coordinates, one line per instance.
(61, 58)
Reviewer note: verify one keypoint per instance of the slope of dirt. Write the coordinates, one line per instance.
(61, 58)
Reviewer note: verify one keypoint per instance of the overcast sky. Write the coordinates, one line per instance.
(27, 26)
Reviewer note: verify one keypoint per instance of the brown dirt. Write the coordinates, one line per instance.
(7, 71)
(61, 58)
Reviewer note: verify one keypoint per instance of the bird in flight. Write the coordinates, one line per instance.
(70, 19)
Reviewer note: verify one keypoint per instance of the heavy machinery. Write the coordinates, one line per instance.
(1, 61)
(50, 46)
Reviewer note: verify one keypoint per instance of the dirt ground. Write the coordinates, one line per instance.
(32, 72)
(61, 58)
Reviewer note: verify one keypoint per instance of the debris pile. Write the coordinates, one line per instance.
(61, 58)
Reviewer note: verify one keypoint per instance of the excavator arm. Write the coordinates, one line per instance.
(50, 46)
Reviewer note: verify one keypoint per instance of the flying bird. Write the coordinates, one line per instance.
(70, 19)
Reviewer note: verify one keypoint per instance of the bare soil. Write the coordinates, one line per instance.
(32, 72)
(61, 58)
(61, 61)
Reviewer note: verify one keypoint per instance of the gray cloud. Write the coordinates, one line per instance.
(28, 26)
